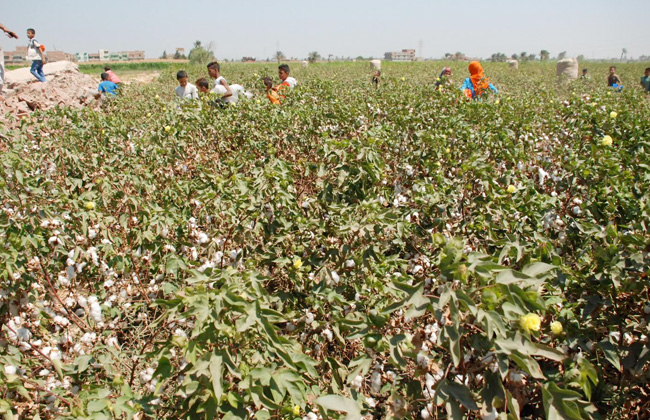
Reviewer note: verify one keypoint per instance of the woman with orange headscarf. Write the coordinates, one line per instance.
(477, 84)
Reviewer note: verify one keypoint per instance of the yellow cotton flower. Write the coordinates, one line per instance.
(511, 189)
(168, 128)
(89, 205)
(530, 322)
(613, 114)
(296, 410)
(403, 79)
(297, 263)
(606, 141)
(556, 328)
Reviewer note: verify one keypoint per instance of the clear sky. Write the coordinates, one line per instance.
(594, 28)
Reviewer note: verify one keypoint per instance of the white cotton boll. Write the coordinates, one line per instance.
(418, 269)
(350, 264)
(429, 380)
(70, 273)
(311, 416)
(180, 333)
(92, 233)
(335, 277)
(542, 174)
(43, 372)
(576, 211)
(89, 338)
(106, 241)
(357, 382)
(23, 334)
(45, 224)
(577, 200)
(113, 341)
(61, 321)
(10, 370)
(53, 240)
(108, 283)
(203, 238)
(80, 267)
(327, 333)
(422, 360)
(305, 204)
(63, 280)
(96, 311)
(425, 414)
(55, 354)
(194, 254)
(375, 382)
(309, 318)
(489, 415)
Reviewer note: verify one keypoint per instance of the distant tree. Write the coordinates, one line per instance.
(623, 53)
(459, 56)
(523, 56)
(313, 57)
(514, 57)
(448, 55)
(544, 55)
(532, 56)
(200, 54)
(498, 57)
(279, 56)
(359, 58)
(178, 56)
(581, 57)
(164, 55)
(329, 57)
(561, 55)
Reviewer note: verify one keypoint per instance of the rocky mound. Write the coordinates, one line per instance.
(65, 86)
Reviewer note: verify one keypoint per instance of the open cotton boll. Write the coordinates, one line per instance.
(375, 382)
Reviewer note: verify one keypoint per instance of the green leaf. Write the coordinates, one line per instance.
(611, 353)
(341, 404)
(216, 371)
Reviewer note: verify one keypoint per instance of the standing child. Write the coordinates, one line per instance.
(271, 92)
(10, 34)
(645, 80)
(185, 89)
(106, 87)
(283, 73)
(613, 80)
(375, 78)
(476, 84)
(112, 76)
(36, 56)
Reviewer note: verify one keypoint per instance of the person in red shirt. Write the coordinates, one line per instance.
(112, 76)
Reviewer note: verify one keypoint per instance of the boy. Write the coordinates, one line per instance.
(10, 34)
(203, 86)
(36, 56)
(613, 80)
(645, 80)
(585, 74)
(107, 87)
(271, 92)
(221, 86)
(283, 72)
(185, 90)
(112, 76)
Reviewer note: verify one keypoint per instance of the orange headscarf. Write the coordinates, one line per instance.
(479, 81)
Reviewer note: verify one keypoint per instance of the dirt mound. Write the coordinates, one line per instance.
(65, 86)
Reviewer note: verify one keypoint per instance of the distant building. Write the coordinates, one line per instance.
(248, 59)
(105, 55)
(404, 55)
(18, 56)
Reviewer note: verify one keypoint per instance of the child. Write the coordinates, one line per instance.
(221, 86)
(585, 74)
(112, 76)
(477, 84)
(283, 72)
(645, 80)
(271, 92)
(203, 86)
(107, 87)
(375, 78)
(613, 80)
(10, 34)
(36, 56)
(185, 90)
(444, 78)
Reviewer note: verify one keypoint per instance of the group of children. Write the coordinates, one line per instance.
(225, 93)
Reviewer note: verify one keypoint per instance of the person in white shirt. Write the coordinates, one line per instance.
(283, 72)
(229, 93)
(36, 56)
(10, 34)
(185, 90)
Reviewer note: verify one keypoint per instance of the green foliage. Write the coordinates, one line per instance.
(356, 251)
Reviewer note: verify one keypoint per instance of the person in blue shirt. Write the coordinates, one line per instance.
(107, 87)
(477, 84)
